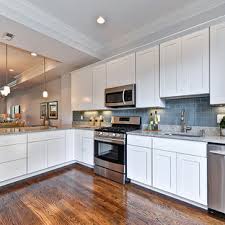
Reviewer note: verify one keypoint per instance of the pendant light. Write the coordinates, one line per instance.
(6, 88)
(45, 92)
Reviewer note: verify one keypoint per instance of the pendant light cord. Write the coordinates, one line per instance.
(44, 75)
(6, 64)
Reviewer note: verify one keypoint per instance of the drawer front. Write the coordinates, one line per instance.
(12, 169)
(13, 152)
(46, 135)
(13, 139)
(87, 133)
(141, 141)
(181, 146)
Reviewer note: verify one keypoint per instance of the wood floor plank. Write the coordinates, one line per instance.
(74, 195)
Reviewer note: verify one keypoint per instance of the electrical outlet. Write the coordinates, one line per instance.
(220, 117)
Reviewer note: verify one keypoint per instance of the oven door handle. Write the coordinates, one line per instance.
(124, 102)
(111, 140)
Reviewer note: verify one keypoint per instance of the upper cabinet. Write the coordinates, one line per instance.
(217, 65)
(121, 71)
(81, 89)
(184, 65)
(147, 78)
(99, 85)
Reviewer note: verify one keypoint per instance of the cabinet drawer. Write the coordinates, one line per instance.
(181, 146)
(12, 152)
(87, 133)
(141, 141)
(13, 139)
(46, 135)
(12, 169)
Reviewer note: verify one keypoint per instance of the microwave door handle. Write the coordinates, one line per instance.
(124, 102)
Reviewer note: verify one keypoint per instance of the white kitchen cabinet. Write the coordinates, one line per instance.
(217, 65)
(99, 85)
(139, 159)
(121, 71)
(164, 170)
(139, 164)
(184, 65)
(147, 78)
(84, 146)
(13, 169)
(70, 145)
(195, 63)
(37, 156)
(81, 89)
(192, 178)
(78, 146)
(56, 152)
(88, 150)
(170, 67)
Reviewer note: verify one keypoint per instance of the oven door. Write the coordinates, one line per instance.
(110, 155)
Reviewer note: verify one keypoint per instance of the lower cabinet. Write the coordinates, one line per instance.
(88, 150)
(13, 169)
(37, 156)
(56, 152)
(70, 145)
(178, 167)
(139, 164)
(84, 146)
(164, 170)
(192, 178)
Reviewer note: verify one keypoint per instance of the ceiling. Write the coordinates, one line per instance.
(67, 31)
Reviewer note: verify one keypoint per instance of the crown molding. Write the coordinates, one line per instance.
(23, 12)
(172, 19)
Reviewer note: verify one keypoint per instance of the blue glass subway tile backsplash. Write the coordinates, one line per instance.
(198, 112)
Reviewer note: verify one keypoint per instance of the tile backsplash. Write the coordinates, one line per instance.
(198, 113)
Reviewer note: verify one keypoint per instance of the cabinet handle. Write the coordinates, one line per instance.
(124, 96)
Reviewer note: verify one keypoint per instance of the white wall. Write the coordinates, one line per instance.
(30, 99)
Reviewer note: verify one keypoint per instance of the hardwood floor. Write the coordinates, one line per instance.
(74, 195)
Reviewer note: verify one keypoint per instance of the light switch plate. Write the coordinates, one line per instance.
(220, 117)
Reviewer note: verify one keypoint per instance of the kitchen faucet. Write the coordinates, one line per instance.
(184, 127)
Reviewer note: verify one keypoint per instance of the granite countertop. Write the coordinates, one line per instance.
(24, 130)
(160, 134)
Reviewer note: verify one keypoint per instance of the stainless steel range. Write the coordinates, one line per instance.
(111, 148)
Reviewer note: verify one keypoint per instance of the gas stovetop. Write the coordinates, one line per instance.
(118, 129)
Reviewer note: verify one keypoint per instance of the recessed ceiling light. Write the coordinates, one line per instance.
(11, 70)
(100, 20)
(33, 54)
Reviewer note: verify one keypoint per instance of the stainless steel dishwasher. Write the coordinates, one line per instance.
(216, 178)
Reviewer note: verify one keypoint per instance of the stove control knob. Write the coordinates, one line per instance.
(114, 135)
(118, 135)
(100, 133)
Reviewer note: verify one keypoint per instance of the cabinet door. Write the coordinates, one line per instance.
(147, 78)
(81, 89)
(70, 147)
(192, 178)
(56, 152)
(121, 71)
(170, 68)
(217, 65)
(88, 150)
(99, 85)
(37, 156)
(137, 163)
(78, 146)
(164, 170)
(195, 63)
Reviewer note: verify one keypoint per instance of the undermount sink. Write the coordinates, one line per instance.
(183, 134)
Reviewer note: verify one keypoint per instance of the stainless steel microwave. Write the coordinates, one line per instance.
(123, 96)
